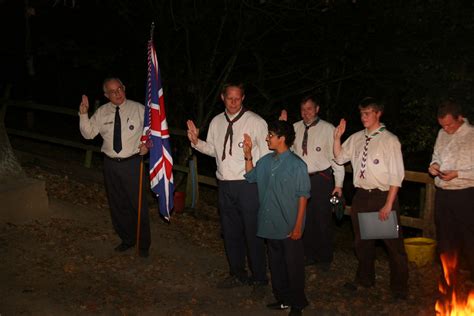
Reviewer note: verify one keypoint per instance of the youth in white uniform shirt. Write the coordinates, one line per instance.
(377, 163)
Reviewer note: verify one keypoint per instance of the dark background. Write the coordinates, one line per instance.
(408, 54)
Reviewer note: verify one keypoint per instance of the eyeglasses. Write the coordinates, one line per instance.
(270, 135)
(117, 91)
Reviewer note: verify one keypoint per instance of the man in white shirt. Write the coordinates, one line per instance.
(238, 199)
(378, 171)
(452, 165)
(314, 144)
(120, 123)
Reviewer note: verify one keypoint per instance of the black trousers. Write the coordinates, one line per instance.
(454, 220)
(372, 201)
(318, 231)
(122, 185)
(238, 207)
(286, 260)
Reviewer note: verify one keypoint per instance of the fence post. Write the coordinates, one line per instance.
(192, 184)
(428, 213)
(88, 157)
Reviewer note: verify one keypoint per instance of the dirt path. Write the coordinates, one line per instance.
(66, 265)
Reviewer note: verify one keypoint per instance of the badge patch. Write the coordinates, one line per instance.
(318, 148)
(376, 161)
(131, 127)
(241, 145)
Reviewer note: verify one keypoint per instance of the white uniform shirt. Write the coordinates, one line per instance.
(320, 152)
(233, 167)
(456, 152)
(102, 122)
(384, 166)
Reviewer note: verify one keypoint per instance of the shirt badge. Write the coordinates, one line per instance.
(131, 127)
(241, 145)
(376, 161)
(318, 148)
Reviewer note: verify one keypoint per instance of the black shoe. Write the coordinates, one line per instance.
(354, 286)
(123, 247)
(279, 305)
(295, 311)
(309, 262)
(231, 282)
(400, 296)
(144, 253)
(323, 266)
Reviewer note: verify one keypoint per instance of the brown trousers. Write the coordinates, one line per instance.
(372, 201)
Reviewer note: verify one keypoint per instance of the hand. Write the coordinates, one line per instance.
(434, 170)
(338, 191)
(247, 148)
(84, 106)
(283, 116)
(143, 149)
(384, 212)
(193, 132)
(340, 129)
(448, 175)
(295, 234)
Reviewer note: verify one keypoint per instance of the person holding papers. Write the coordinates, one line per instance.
(378, 171)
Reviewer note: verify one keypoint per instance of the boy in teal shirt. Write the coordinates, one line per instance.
(284, 187)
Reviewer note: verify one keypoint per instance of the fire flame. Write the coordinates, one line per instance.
(452, 303)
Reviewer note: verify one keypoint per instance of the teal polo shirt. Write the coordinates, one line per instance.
(281, 179)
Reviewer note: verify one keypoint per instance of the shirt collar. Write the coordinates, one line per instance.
(120, 105)
(281, 156)
(376, 132)
(231, 116)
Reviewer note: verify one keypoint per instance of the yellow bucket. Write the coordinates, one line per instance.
(420, 250)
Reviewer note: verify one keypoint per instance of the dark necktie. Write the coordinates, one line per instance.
(117, 131)
(304, 145)
(229, 133)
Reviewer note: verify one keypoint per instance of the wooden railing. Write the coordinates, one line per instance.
(424, 222)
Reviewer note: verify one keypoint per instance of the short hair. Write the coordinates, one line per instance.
(370, 102)
(449, 106)
(311, 98)
(283, 128)
(233, 84)
(109, 79)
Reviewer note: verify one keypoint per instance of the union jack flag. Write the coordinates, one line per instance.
(157, 137)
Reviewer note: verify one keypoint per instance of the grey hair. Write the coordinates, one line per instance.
(109, 79)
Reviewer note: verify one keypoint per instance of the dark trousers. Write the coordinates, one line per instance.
(372, 201)
(238, 207)
(286, 261)
(454, 219)
(318, 233)
(122, 185)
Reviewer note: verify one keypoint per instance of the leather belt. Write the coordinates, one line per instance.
(319, 172)
(118, 159)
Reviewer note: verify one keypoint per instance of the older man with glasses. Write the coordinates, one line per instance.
(120, 123)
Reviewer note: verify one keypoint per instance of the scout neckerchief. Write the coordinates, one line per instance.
(229, 131)
(363, 162)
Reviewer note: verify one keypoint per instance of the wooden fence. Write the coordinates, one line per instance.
(424, 222)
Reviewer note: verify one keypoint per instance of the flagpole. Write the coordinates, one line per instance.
(140, 187)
